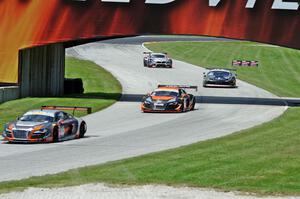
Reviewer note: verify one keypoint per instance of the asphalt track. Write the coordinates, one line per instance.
(122, 131)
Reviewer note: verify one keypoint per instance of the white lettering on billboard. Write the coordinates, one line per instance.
(279, 4)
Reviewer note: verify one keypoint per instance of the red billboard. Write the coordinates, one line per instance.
(26, 23)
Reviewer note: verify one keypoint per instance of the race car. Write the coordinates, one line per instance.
(45, 125)
(156, 60)
(219, 77)
(169, 98)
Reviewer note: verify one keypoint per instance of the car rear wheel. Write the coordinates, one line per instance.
(55, 134)
(182, 107)
(82, 129)
(193, 105)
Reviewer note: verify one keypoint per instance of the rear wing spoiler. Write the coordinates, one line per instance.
(245, 63)
(179, 86)
(231, 69)
(148, 53)
(68, 108)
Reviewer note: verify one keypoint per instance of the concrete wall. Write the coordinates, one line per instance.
(9, 93)
(42, 71)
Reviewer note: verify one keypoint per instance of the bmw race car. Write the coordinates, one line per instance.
(169, 98)
(156, 60)
(219, 77)
(45, 125)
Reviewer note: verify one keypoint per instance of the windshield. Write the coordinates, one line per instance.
(36, 118)
(219, 74)
(165, 93)
(159, 56)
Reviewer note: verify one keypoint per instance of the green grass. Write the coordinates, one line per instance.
(101, 91)
(279, 70)
(263, 160)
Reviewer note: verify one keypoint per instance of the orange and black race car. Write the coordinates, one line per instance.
(169, 98)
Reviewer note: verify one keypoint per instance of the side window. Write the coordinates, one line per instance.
(59, 116)
(69, 116)
(65, 116)
(180, 92)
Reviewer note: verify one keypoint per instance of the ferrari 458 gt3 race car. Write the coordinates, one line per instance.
(169, 98)
(219, 77)
(45, 125)
(156, 60)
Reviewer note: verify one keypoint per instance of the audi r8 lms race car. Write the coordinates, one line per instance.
(219, 77)
(156, 60)
(169, 98)
(45, 125)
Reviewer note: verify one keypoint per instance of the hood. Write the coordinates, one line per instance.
(159, 59)
(219, 77)
(28, 125)
(163, 98)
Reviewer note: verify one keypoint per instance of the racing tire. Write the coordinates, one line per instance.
(82, 129)
(182, 107)
(234, 85)
(193, 105)
(55, 134)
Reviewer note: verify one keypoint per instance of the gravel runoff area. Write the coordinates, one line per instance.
(99, 191)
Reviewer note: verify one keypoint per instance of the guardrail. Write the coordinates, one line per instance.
(9, 93)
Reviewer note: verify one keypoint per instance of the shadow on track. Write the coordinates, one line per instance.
(227, 100)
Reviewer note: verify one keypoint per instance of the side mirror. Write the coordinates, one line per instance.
(18, 118)
(59, 122)
(147, 95)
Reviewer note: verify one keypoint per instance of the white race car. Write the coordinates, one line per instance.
(157, 60)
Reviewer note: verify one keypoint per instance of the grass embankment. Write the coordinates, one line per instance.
(278, 71)
(101, 90)
(264, 159)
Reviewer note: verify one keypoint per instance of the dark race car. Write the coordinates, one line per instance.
(157, 60)
(169, 98)
(219, 78)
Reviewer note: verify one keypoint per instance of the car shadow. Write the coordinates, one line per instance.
(218, 86)
(227, 100)
(2, 141)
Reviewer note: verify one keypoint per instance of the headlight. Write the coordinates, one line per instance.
(211, 77)
(228, 77)
(9, 127)
(41, 131)
(7, 130)
(172, 101)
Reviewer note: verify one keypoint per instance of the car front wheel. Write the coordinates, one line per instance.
(82, 129)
